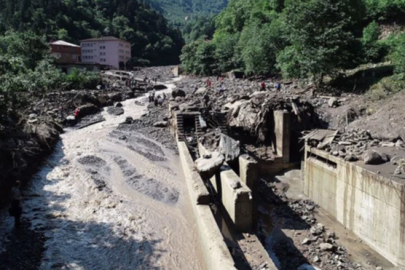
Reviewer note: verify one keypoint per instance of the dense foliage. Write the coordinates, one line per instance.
(153, 41)
(297, 38)
(200, 27)
(180, 12)
(386, 10)
(27, 70)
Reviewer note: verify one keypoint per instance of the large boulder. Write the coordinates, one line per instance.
(230, 147)
(159, 87)
(308, 267)
(178, 93)
(88, 109)
(115, 110)
(210, 164)
(373, 157)
(115, 96)
(187, 107)
(32, 116)
(200, 91)
(333, 102)
(70, 120)
(160, 124)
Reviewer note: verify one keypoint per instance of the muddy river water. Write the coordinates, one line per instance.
(107, 199)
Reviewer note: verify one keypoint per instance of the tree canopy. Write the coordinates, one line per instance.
(153, 41)
(180, 12)
(297, 38)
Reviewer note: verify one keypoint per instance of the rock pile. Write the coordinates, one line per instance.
(248, 112)
(322, 249)
(312, 242)
(358, 144)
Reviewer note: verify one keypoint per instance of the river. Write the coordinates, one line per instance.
(106, 199)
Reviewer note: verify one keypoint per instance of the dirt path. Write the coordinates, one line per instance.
(110, 199)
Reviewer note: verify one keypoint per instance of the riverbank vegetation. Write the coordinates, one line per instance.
(299, 39)
(27, 71)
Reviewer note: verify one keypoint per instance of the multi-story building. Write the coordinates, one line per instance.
(65, 52)
(110, 51)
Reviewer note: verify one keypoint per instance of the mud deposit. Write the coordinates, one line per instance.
(106, 199)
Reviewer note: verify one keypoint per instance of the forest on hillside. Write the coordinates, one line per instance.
(153, 41)
(297, 38)
(26, 26)
(176, 11)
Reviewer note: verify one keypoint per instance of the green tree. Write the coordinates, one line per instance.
(398, 55)
(373, 50)
(321, 37)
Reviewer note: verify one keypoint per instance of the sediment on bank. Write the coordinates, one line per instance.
(28, 137)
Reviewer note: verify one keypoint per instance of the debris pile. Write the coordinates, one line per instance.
(353, 145)
(311, 243)
(321, 248)
(153, 124)
(349, 145)
(239, 109)
(161, 74)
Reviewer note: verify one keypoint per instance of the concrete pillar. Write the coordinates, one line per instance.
(249, 174)
(237, 199)
(282, 133)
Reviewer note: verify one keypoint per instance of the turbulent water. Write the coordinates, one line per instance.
(112, 200)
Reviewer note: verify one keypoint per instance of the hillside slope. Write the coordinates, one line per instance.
(153, 41)
(177, 10)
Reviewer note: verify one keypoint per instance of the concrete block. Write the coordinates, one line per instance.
(213, 246)
(199, 194)
(237, 201)
(282, 134)
(249, 174)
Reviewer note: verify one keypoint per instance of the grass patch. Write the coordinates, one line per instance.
(386, 88)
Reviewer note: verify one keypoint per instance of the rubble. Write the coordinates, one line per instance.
(210, 164)
(374, 158)
(326, 247)
(242, 112)
(312, 241)
(333, 102)
(178, 93)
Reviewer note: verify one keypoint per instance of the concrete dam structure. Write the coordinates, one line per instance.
(367, 203)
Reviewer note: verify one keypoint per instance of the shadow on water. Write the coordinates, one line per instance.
(69, 244)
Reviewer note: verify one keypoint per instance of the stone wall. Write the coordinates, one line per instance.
(370, 205)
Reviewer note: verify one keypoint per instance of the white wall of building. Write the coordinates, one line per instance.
(105, 52)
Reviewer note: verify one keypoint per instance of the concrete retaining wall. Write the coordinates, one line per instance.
(237, 201)
(370, 205)
(215, 251)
